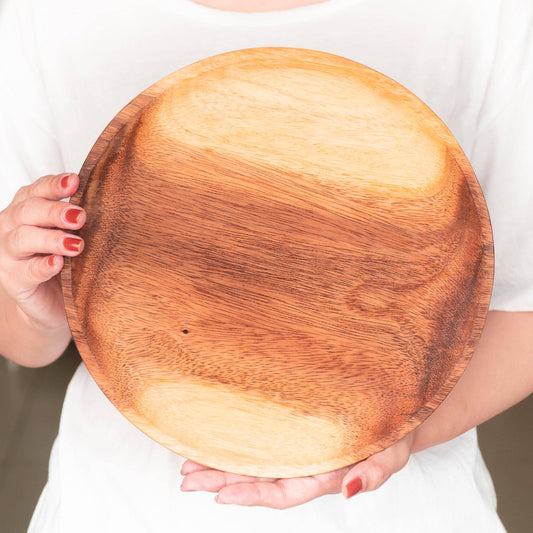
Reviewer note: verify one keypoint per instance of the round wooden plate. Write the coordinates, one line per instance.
(288, 262)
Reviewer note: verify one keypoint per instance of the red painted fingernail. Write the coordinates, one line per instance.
(353, 487)
(72, 215)
(65, 180)
(72, 244)
(51, 260)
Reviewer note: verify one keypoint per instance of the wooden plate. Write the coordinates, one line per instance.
(288, 262)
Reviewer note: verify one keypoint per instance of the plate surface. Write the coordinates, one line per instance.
(288, 262)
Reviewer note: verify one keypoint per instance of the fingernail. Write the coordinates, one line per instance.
(72, 215)
(65, 180)
(72, 244)
(51, 260)
(353, 487)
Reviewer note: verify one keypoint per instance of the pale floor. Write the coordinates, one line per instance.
(30, 403)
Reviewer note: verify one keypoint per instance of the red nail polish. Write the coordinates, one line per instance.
(51, 260)
(72, 215)
(353, 487)
(72, 244)
(65, 180)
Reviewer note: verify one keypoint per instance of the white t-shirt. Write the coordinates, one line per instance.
(67, 68)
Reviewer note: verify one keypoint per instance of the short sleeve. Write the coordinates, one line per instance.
(502, 158)
(28, 146)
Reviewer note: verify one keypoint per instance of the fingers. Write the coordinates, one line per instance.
(373, 472)
(38, 204)
(253, 491)
(36, 211)
(281, 494)
(272, 495)
(26, 241)
(42, 268)
(212, 480)
(50, 187)
(189, 467)
(31, 226)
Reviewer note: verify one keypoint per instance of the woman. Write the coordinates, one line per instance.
(68, 68)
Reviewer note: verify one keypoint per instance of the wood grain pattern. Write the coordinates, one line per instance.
(288, 262)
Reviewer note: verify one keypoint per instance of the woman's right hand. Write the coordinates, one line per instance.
(33, 242)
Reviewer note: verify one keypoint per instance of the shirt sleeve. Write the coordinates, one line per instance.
(28, 146)
(502, 158)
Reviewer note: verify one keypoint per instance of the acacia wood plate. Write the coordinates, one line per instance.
(288, 262)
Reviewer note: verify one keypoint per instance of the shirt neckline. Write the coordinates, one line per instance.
(294, 14)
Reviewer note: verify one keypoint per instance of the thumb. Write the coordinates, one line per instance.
(371, 473)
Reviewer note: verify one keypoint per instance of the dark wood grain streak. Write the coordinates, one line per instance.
(353, 305)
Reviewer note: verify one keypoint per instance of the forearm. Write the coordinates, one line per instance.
(499, 375)
(26, 343)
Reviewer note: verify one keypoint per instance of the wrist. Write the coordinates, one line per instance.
(35, 343)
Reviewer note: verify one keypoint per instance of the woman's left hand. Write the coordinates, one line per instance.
(365, 476)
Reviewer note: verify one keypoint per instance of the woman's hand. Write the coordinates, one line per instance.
(283, 493)
(33, 242)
